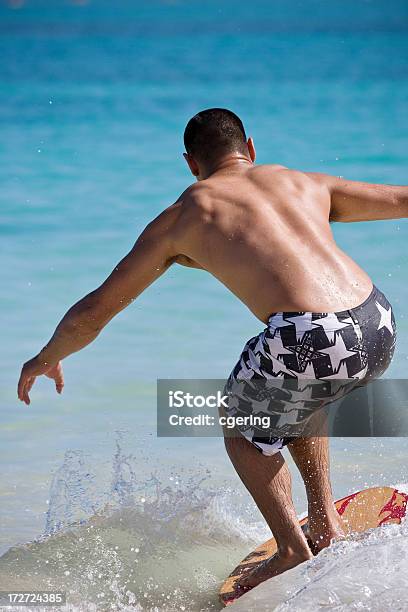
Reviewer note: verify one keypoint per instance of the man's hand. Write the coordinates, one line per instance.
(36, 367)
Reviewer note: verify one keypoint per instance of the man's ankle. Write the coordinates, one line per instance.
(300, 550)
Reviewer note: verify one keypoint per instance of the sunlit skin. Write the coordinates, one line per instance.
(264, 232)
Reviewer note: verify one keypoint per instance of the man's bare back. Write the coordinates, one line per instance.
(264, 232)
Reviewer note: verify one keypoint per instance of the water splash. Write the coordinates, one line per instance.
(124, 482)
(71, 498)
(148, 540)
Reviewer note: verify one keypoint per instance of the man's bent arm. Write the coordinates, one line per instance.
(357, 201)
(152, 254)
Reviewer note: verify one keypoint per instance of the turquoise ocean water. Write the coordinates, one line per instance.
(94, 98)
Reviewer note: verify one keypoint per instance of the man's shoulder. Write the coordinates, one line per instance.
(197, 197)
(270, 167)
(195, 203)
(189, 195)
(183, 202)
(278, 172)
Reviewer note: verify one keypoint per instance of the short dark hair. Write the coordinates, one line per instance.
(214, 132)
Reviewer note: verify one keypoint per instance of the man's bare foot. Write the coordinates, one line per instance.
(277, 564)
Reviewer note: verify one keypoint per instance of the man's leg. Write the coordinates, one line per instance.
(269, 482)
(311, 456)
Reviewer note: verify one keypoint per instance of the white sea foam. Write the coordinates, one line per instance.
(367, 572)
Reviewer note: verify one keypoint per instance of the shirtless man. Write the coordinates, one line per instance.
(264, 232)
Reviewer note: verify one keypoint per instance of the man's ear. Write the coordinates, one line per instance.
(251, 149)
(192, 164)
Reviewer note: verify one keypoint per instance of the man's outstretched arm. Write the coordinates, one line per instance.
(356, 201)
(153, 252)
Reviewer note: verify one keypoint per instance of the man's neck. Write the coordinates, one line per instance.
(230, 163)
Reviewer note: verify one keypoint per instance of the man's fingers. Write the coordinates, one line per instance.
(22, 385)
(26, 381)
(28, 386)
(25, 384)
(59, 378)
(26, 397)
(30, 383)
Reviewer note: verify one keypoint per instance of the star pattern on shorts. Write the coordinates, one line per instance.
(258, 348)
(303, 324)
(305, 352)
(363, 353)
(246, 372)
(290, 417)
(278, 321)
(278, 367)
(301, 394)
(331, 324)
(342, 373)
(337, 353)
(385, 320)
(277, 347)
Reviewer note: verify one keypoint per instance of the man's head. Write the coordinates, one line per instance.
(212, 135)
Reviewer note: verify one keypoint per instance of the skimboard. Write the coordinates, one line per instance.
(360, 511)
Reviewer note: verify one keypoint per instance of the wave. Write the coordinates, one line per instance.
(147, 542)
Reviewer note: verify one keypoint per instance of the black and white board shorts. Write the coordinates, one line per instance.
(303, 361)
